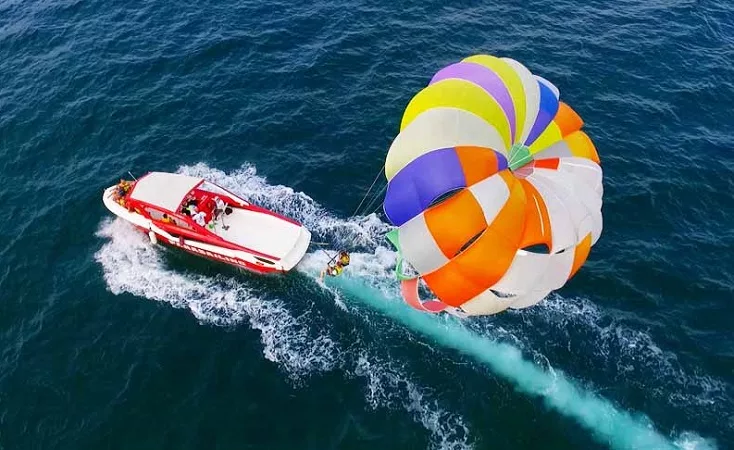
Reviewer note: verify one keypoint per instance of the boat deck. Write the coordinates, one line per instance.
(258, 231)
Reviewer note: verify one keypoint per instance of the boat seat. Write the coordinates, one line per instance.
(205, 203)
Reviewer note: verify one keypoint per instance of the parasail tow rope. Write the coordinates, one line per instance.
(368, 190)
(375, 198)
(332, 258)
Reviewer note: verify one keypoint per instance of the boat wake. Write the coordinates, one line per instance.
(299, 344)
(302, 343)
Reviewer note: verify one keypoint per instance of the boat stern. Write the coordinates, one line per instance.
(298, 251)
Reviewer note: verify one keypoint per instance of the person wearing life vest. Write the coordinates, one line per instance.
(122, 189)
(336, 269)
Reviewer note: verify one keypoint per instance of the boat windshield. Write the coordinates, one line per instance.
(213, 188)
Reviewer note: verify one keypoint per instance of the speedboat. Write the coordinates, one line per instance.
(204, 219)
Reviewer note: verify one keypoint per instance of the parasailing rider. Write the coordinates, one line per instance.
(334, 269)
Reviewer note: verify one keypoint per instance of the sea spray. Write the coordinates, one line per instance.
(611, 425)
(298, 343)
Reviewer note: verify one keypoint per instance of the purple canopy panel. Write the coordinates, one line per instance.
(419, 183)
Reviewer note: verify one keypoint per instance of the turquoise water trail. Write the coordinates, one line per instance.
(617, 428)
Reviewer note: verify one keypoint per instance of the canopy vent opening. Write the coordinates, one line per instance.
(469, 243)
(445, 196)
(501, 294)
(542, 249)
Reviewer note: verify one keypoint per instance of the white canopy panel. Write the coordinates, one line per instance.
(165, 190)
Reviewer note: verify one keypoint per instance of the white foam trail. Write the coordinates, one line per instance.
(627, 350)
(388, 386)
(132, 265)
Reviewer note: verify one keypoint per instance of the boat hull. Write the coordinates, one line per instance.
(210, 254)
(251, 261)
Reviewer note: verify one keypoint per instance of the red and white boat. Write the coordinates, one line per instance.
(218, 225)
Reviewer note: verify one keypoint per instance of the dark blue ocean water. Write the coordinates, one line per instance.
(109, 342)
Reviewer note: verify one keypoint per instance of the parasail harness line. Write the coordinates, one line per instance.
(409, 284)
(376, 198)
(368, 192)
(339, 261)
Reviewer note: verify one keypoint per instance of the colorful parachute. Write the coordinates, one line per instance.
(495, 191)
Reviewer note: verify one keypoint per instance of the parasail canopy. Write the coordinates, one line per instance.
(494, 190)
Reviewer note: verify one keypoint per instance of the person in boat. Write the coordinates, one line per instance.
(123, 187)
(200, 218)
(219, 206)
(190, 206)
(189, 210)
